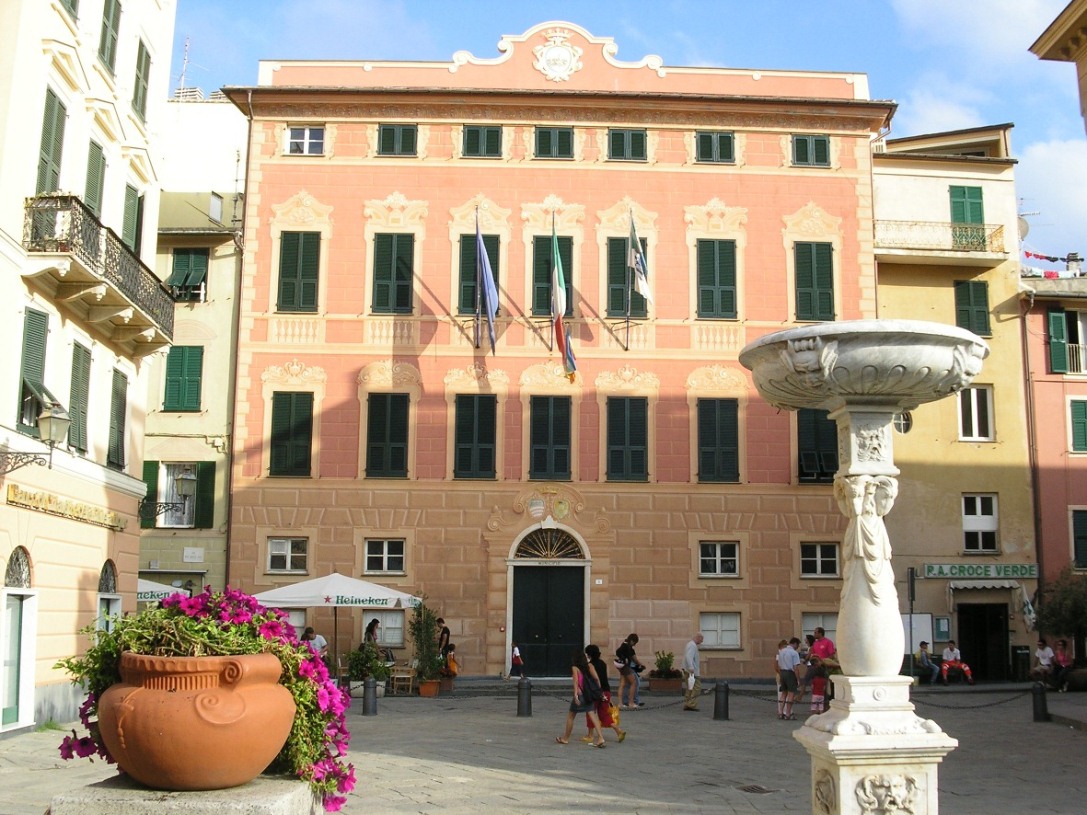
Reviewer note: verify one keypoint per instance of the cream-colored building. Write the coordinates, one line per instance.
(1066, 41)
(946, 246)
(82, 91)
(190, 402)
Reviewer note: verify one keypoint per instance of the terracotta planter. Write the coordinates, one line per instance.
(428, 687)
(665, 685)
(196, 723)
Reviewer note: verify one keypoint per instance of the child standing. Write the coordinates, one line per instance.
(818, 685)
(516, 663)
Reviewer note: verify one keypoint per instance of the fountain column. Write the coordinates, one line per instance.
(870, 753)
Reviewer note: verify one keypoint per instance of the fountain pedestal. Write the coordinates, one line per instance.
(871, 755)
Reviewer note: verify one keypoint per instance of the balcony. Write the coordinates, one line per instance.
(938, 243)
(86, 267)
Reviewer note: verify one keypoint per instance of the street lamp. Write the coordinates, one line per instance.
(184, 483)
(53, 424)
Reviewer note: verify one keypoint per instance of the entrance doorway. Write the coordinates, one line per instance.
(548, 616)
(983, 639)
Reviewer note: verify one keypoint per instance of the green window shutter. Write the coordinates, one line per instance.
(549, 438)
(617, 146)
(118, 411)
(966, 205)
(386, 140)
(184, 372)
(617, 277)
(474, 436)
(151, 479)
(541, 273)
(204, 508)
(466, 299)
(387, 435)
(393, 273)
(801, 150)
(403, 276)
(473, 141)
(718, 440)
(704, 147)
(52, 143)
(716, 272)
(817, 447)
(383, 274)
(107, 42)
(299, 259)
(814, 281)
(493, 144)
(35, 334)
(972, 306)
(407, 140)
(292, 433)
(143, 77)
(637, 144)
(564, 147)
(130, 225)
(1058, 342)
(545, 138)
(96, 178)
(628, 439)
(1079, 538)
(1079, 426)
(821, 150)
(79, 398)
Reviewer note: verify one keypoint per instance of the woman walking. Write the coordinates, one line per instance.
(604, 706)
(581, 672)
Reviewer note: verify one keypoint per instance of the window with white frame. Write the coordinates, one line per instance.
(182, 510)
(718, 559)
(390, 632)
(976, 413)
(819, 560)
(720, 629)
(287, 554)
(384, 556)
(979, 523)
(828, 621)
(306, 140)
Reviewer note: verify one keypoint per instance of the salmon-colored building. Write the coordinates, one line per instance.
(378, 435)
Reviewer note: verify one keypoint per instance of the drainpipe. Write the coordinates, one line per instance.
(1032, 440)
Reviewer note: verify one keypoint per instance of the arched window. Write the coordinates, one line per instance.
(549, 544)
(107, 578)
(17, 574)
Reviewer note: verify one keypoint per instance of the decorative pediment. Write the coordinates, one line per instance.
(567, 217)
(717, 378)
(545, 376)
(105, 114)
(715, 218)
(493, 219)
(396, 211)
(193, 332)
(139, 163)
(812, 221)
(477, 377)
(294, 373)
(628, 378)
(616, 218)
(65, 63)
(389, 374)
(301, 210)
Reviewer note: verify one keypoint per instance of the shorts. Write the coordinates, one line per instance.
(581, 705)
(789, 682)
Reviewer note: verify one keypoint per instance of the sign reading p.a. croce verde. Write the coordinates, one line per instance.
(1008, 571)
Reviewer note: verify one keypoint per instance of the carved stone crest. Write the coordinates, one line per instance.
(557, 59)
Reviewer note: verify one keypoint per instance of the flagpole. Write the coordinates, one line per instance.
(551, 346)
(630, 281)
(479, 282)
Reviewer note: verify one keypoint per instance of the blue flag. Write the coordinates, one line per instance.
(485, 281)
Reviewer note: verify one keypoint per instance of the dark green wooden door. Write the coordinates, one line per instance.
(548, 616)
(983, 639)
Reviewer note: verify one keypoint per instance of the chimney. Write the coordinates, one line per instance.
(1074, 263)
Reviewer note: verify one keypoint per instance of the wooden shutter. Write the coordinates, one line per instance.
(704, 147)
(617, 277)
(383, 274)
(492, 146)
(814, 281)
(204, 508)
(151, 479)
(617, 145)
(627, 439)
(549, 442)
(715, 262)
(1079, 426)
(473, 141)
(1058, 342)
(118, 409)
(387, 435)
(52, 143)
(96, 176)
(143, 76)
(972, 306)
(541, 273)
(718, 440)
(1079, 538)
(387, 140)
(79, 398)
(404, 263)
(299, 258)
(107, 43)
(466, 299)
(565, 143)
(130, 225)
(967, 206)
(801, 150)
(292, 433)
(820, 150)
(407, 140)
(184, 373)
(816, 445)
(545, 138)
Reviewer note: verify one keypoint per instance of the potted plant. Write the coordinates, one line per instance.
(222, 657)
(365, 662)
(665, 676)
(423, 627)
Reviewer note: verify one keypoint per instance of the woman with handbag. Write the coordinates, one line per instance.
(605, 710)
(587, 692)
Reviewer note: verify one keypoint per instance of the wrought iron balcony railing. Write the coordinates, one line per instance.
(934, 236)
(62, 224)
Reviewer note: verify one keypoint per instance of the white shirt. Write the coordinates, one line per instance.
(951, 655)
(319, 643)
(788, 658)
(1044, 657)
(690, 658)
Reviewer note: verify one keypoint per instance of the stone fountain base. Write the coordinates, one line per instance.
(871, 754)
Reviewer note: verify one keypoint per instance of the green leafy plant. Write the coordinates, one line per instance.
(665, 666)
(221, 624)
(1062, 608)
(423, 627)
(365, 662)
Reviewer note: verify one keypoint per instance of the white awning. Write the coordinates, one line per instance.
(983, 584)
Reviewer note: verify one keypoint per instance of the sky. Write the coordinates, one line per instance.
(949, 64)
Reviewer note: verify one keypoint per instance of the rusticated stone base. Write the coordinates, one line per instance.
(870, 753)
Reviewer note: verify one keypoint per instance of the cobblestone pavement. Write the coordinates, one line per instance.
(472, 754)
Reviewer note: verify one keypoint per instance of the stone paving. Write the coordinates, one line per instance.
(469, 753)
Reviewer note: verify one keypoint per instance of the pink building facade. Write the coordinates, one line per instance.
(652, 490)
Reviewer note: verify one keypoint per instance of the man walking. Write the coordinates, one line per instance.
(789, 666)
(692, 687)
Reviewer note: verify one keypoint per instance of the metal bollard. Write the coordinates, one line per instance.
(524, 697)
(369, 696)
(720, 700)
(1041, 709)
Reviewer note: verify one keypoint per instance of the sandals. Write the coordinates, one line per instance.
(622, 735)
(561, 740)
(598, 744)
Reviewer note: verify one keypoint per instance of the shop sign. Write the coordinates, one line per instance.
(988, 571)
(74, 510)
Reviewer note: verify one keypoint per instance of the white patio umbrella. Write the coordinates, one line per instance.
(336, 591)
(148, 591)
